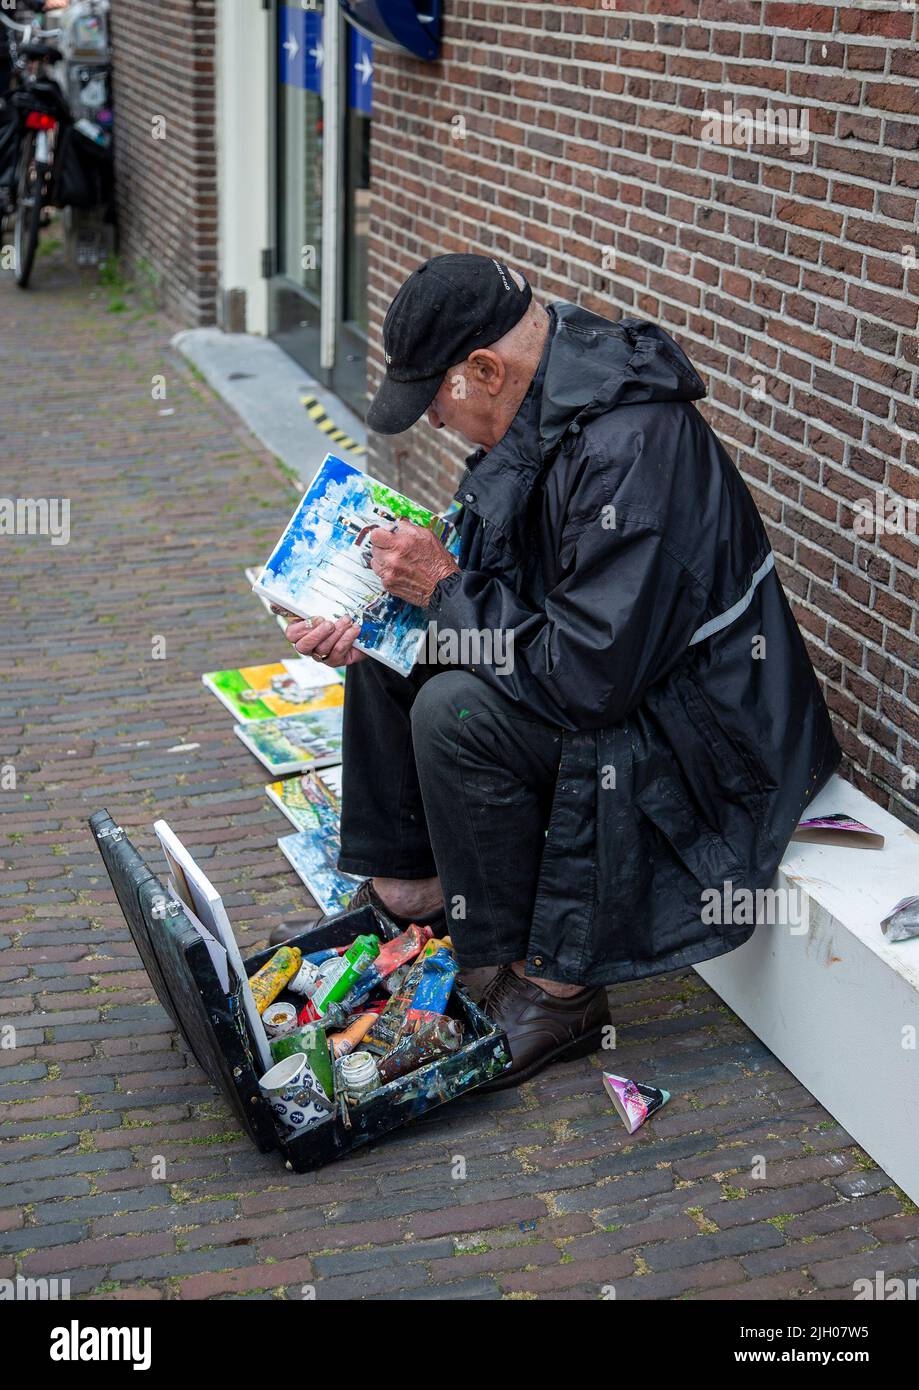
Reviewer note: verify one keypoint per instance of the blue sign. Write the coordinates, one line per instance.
(409, 26)
(360, 73)
(300, 53)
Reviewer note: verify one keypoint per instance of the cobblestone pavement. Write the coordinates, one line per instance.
(170, 499)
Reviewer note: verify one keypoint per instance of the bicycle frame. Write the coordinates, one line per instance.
(41, 123)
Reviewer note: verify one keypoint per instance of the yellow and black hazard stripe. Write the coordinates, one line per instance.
(316, 411)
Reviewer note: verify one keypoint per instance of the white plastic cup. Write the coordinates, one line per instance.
(294, 1094)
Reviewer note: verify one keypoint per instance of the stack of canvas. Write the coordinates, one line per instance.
(313, 805)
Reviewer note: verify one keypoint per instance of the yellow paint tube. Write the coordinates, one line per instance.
(267, 983)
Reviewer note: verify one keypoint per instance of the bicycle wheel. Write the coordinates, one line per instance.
(28, 211)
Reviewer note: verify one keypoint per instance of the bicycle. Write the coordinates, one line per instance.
(62, 107)
(42, 109)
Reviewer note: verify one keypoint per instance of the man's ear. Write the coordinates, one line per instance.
(487, 369)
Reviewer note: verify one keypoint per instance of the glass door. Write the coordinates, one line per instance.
(318, 292)
(296, 290)
(351, 355)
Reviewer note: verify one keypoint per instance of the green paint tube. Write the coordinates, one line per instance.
(313, 1041)
(361, 953)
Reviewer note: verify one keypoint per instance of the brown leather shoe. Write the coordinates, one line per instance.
(541, 1028)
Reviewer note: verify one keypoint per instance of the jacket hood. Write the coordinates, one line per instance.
(593, 365)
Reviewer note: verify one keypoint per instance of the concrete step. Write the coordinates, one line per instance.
(827, 993)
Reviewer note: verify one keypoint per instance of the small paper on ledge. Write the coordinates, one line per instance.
(838, 829)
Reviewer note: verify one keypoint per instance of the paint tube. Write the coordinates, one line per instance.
(317, 957)
(386, 1031)
(401, 950)
(311, 1040)
(435, 1038)
(307, 977)
(266, 984)
(432, 991)
(338, 982)
(343, 1043)
(397, 979)
(334, 1017)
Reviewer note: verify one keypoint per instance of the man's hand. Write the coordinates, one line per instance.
(328, 642)
(410, 562)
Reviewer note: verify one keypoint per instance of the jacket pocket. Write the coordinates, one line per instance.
(704, 853)
(739, 766)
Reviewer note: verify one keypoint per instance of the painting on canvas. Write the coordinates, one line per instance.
(314, 855)
(296, 742)
(275, 689)
(320, 568)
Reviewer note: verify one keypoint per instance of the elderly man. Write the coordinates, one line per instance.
(653, 728)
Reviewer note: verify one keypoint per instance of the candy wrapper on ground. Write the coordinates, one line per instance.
(634, 1102)
(902, 922)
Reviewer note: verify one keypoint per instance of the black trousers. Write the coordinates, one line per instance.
(443, 775)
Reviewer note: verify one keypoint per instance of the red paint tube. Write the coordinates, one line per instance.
(392, 956)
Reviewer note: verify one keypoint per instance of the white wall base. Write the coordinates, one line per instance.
(243, 172)
(836, 1004)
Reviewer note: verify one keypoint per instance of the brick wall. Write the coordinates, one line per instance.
(167, 187)
(783, 274)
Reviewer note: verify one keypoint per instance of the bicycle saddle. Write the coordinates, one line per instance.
(41, 50)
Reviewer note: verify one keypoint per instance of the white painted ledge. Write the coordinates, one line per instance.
(836, 1003)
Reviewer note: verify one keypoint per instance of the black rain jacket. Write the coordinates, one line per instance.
(611, 534)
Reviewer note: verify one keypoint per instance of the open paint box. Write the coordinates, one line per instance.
(213, 1024)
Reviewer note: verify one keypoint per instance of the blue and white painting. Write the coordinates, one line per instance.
(314, 856)
(320, 567)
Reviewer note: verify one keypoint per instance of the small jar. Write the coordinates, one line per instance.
(279, 1020)
(359, 1077)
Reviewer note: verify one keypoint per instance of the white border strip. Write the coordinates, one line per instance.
(725, 619)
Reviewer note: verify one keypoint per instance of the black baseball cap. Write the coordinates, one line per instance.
(446, 309)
